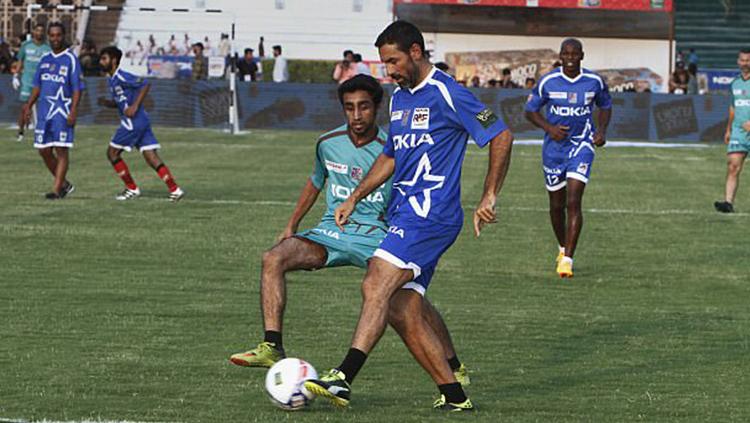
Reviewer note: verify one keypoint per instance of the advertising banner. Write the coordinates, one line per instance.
(633, 5)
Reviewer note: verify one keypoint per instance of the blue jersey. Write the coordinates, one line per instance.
(125, 87)
(430, 126)
(571, 102)
(58, 76)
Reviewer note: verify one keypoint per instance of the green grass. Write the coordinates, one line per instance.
(130, 310)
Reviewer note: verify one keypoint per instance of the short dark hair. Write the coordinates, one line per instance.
(442, 66)
(506, 71)
(199, 45)
(357, 57)
(58, 25)
(277, 47)
(347, 52)
(38, 24)
(572, 42)
(249, 50)
(113, 52)
(402, 33)
(745, 51)
(364, 83)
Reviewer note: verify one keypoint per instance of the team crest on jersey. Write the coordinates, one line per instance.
(486, 118)
(357, 173)
(583, 168)
(572, 98)
(64, 70)
(421, 118)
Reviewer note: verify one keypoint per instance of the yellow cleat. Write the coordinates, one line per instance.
(560, 255)
(565, 268)
(462, 375)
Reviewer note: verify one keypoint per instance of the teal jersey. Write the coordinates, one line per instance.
(741, 104)
(30, 54)
(340, 166)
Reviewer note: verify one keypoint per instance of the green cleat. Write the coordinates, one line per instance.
(441, 404)
(462, 375)
(332, 386)
(264, 355)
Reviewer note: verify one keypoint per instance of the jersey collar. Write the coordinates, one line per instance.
(58, 55)
(424, 81)
(349, 135)
(572, 80)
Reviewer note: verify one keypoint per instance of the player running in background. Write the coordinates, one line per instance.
(128, 92)
(432, 117)
(343, 157)
(29, 55)
(737, 136)
(59, 83)
(570, 93)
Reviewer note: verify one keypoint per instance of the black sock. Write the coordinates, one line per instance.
(274, 337)
(353, 361)
(454, 363)
(453, 392)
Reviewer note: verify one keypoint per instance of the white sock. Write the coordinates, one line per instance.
(562, 249)
(567, 259)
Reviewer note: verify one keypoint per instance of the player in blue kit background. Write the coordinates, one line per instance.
(128, 92)
(58, 86)
(432, 118)
(570, 94)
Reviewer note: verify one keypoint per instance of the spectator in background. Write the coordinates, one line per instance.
(280, 69)
(247, 67)
(186, 45)
(506, 82)
(261, 48)
(678, 84)
(89, 58)
(200, 62)
(225, 47)
(151, 45)
(210, 50)
(692, 71)
(6, 58)
(492, 83)
(530, 82)
(361, 68)
(475, 82)
(171, 47)
(345, 69)
(692, 58)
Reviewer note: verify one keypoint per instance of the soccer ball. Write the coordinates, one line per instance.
(285, 383)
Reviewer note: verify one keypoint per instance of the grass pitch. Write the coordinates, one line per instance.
(129, 311)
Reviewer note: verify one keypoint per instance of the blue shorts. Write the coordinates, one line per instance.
(141, 138)
(561, 162)
(417, 246)
(354, 247)
(53, 132)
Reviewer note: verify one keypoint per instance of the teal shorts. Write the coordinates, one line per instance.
(739, 142)
(354, 247)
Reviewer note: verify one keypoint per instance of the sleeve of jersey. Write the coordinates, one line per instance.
(603, 99)
(537, 99)
(477, 119)
(318, 177)
(76, 79)
(134, 81)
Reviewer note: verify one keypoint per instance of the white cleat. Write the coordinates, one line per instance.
(176, 195)
(128, 194)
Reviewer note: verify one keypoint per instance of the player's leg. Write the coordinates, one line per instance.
(735, 163)
(61, 171)
(574, 212)
(553, 167)
(148, 146)
(49, 159)
(436, 322)
(557, 203)
(21, 125)
(288, 255)
(114, 155)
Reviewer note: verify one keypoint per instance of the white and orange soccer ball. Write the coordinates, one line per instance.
(285, 383)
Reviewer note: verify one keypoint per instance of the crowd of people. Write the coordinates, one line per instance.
(684, 79)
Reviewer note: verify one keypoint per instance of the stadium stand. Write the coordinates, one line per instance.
(716, 30)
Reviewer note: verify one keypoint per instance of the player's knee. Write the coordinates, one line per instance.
(272, 260)
(396, 316)
(734, 168)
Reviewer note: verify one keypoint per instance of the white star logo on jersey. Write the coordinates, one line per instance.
(423, 172)
(63, 110)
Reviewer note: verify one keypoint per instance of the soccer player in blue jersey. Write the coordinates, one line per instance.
(58, 86)
(29, 55)
(128, 92)
(570, 94)
(342, 157)
(432, 118)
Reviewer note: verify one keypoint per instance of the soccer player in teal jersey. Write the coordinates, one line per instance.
(29, 55)
(737, 136)
(343, 157)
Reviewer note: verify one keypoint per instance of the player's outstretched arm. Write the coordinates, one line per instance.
(603, 118)
(500, 149)
(380, 171)
(307, 199)
(558, 133)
